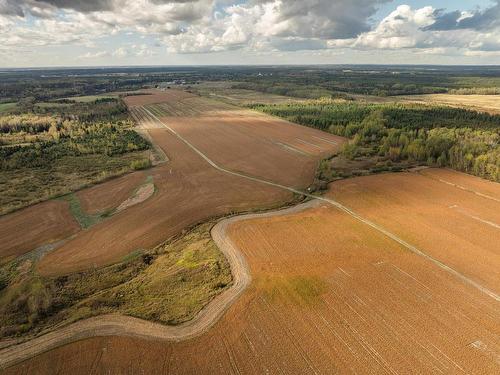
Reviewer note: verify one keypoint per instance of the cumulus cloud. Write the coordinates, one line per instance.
(400, 29)
(80, 5)
(319, 18)
(11, 8)
(486, 19)
(268, 26)
(412, 28)
(277, 24)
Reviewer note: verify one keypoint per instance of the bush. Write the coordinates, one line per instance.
(140, 164)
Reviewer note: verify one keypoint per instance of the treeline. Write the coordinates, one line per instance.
(27, 123)
(476, 91)
(437, 136)
(48, 133)
(107, 109)
(287, 89)
(106, 139)
(325, 112)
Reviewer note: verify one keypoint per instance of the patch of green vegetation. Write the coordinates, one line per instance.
(4, 107)
(85, 220)
(132, 256)
(64, 147)
(45, 105)
(169, 284)
(288, 89)
(491, 84)
(25, 186)
(141, 164)
(303, 290)
(90, 98)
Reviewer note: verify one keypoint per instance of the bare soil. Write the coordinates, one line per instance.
(107, 196)
(453, 225)
(38, 225)
(329, 295)
(189, 190)
(156, 96)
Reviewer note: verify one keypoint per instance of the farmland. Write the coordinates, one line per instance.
(435, 135)
(237, 219)
(121, 226)
(210, 192)
(332, 294)
(487, 103)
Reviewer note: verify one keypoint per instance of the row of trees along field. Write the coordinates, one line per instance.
(476, 91)
(34, 139)
(437, 136)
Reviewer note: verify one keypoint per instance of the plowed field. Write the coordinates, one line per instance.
(103, 197)
(35, 226)
(453, 216)
(189, 189)
(329, 295)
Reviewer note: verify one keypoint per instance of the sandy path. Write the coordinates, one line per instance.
(144, 192)
(119, 325)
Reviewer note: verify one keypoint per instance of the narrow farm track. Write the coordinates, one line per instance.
(464, 188)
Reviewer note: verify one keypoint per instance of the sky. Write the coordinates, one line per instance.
(45, 33)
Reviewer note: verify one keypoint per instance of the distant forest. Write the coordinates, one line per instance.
(298, 81)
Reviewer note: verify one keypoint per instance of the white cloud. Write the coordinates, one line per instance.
(400, 29)
(254, 26)
(94, 55)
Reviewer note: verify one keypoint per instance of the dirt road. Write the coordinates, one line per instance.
(118, 325)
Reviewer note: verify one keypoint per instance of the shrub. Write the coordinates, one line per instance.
(140, 164)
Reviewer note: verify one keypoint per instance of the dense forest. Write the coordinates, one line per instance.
(436, 136)
(33, 139)
(48, 149)
(341, 82)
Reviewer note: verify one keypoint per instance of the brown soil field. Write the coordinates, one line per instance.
(156, 96)
(189, 189)
(106, 196)
(250, 143)
(455, 226)
(38, 225)
(484, 188)
(329, 295)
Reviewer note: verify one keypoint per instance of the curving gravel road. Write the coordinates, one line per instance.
(119, 325)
